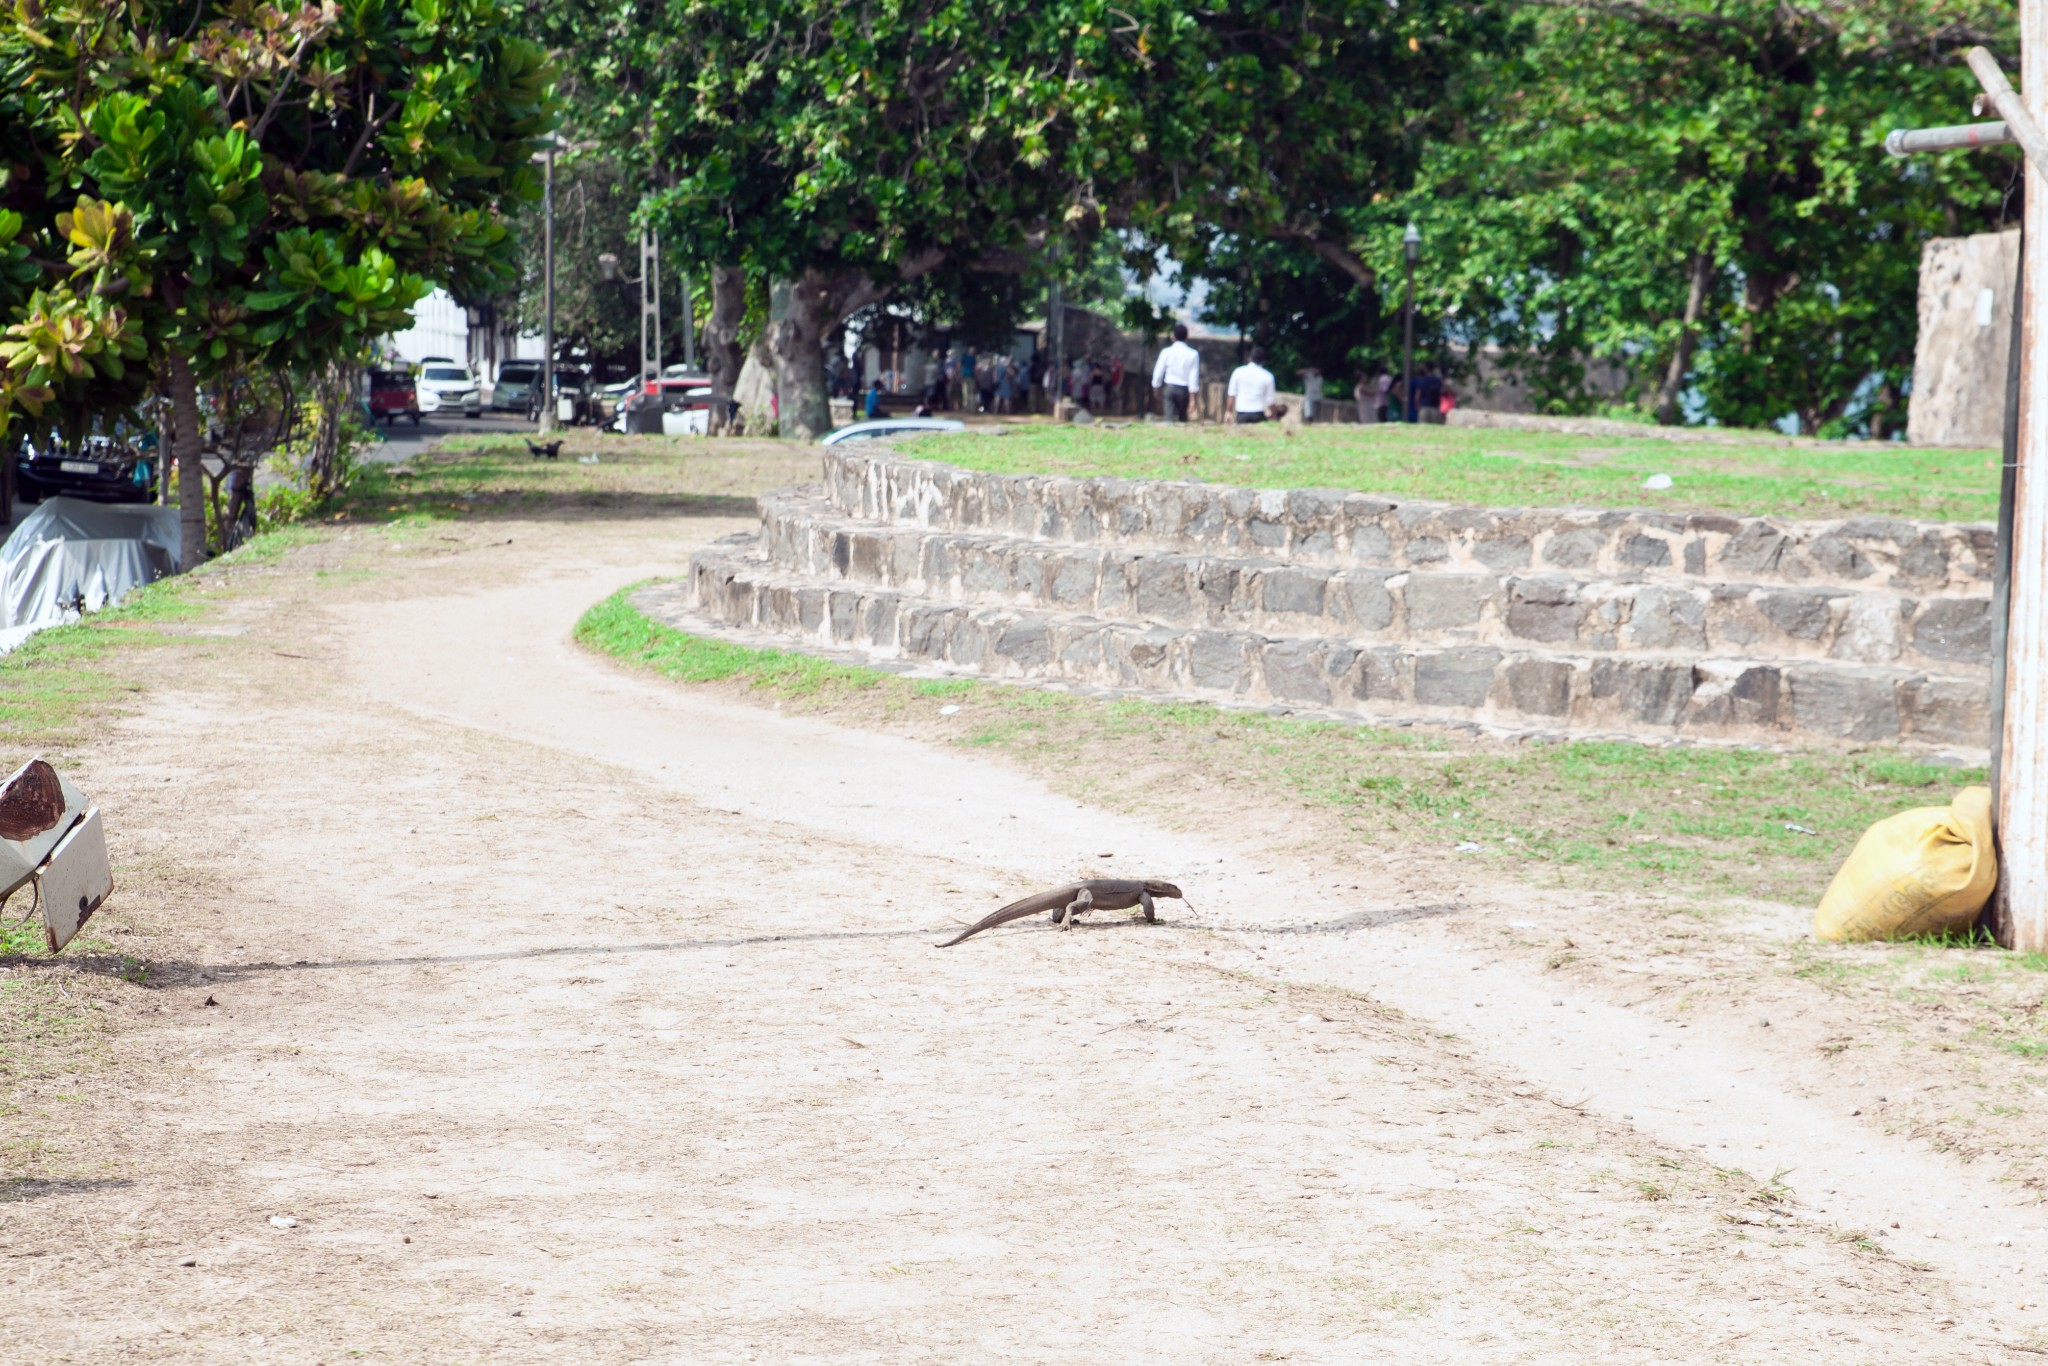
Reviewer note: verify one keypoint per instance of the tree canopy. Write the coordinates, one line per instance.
(193, 187)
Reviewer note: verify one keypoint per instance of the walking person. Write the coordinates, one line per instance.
(1250, 391)
(985, 377)
(1098, 390)
(1116, 384)
(1178, 373)
(1362, 398)
(1006, 387)
(968, 364)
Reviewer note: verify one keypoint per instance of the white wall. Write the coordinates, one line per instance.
(440, 327)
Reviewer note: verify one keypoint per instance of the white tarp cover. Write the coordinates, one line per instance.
(70, 553)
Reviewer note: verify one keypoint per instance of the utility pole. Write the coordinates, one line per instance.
(2022, 798)
(1411, 247)
(2019, 749)
(547, 256)
(650, 306)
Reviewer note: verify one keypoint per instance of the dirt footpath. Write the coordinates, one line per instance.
(504, 1006)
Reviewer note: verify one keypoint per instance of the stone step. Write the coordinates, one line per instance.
(805, 535)
(1340, 529)
(1664, 697)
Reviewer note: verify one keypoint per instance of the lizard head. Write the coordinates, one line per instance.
(1158, 888)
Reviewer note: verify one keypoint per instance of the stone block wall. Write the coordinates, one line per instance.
(1563, 620)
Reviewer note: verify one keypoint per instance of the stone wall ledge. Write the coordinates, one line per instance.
(1571, 611)
(1708, 698)
(1335, 527)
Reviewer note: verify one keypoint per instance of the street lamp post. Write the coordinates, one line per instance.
(649, 280)
(547, 291)
(1411, 247)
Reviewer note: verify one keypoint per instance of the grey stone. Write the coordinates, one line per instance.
(1695, 557)
(1803, 616)
(924, 628)
(982, 571)
(1442, 602)
(1428, 550)
(968, 643)
(1026, 643)
(1294, 672)
(1150, 650)
(1957, 629)
(1926, 557)
(844, 614)
(1266, 534)
(1544, 608)
(1945, 711)
(842, 552)
(1074, 582)
(1085, 652)
(1315, 545)
(1383, 674)
(1313, 505)
(1370, 544)
(1216, 660)
(1836, 556)
(1292, 590)
(1734, 695)
(878, 620)
(1163, 589)
(1874, 630)
(1502, 552)
(1854, 704)
(1371, 604)
(810, 608)
(1712, 523)
(1645, 552)
(1646, 690)
(1756, 549)
(1217, 581)
(1540, 687)
(1668, 619)
(1460, 677)
(1578, 548)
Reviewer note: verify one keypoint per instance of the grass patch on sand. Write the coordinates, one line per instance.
(594, 473)
(1693, 822)
(1741, 473)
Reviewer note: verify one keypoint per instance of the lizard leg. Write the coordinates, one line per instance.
(1079, 904)
(1145, 900)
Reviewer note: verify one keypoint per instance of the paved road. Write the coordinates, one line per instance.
(402, 441)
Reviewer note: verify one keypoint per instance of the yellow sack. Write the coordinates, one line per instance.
(1920, 872)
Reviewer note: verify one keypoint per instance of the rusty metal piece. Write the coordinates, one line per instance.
(31, 801)
(1904, 142)
(2006, 101)
(75, 881)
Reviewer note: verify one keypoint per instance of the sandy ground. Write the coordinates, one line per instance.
(570, 1015)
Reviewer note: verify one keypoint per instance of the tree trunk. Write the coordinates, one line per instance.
(722, 352)
(331, 393)
(1688, 336)
(191, 477)
(797, 341)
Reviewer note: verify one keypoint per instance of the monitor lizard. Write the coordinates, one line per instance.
(1096, 894)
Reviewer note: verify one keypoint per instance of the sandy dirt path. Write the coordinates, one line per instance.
(570, 1016)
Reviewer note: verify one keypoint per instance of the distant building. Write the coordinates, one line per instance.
(480, 337)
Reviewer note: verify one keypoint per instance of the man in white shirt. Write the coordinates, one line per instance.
(1251, 389)
(1179, 372)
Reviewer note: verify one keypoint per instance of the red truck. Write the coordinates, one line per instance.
(393, 396)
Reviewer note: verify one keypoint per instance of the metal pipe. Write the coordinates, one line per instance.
(2006, 101)
(547, 252)
(1998, 913)
(1904, 142)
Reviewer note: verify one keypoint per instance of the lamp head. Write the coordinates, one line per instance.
(608, 265)
(1411, 242)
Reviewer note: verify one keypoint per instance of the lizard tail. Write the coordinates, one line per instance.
(1016, 910)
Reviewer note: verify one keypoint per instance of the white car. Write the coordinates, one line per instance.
(446, 385)
(891, 426)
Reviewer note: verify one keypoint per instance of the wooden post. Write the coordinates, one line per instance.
(2023, 768)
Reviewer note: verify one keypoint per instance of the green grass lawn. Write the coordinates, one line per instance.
(1741, 473)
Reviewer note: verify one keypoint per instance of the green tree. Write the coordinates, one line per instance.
(847, 148)
(1698, 190)
(231, 185)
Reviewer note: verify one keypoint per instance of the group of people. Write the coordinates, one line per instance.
(997, 382)
(1252, 392)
